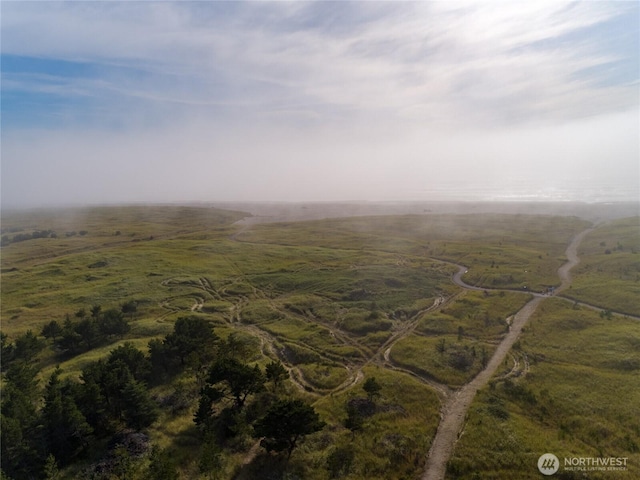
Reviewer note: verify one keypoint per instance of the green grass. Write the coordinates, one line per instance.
(361, 322)
(579, 399)
(452, 344)
(324, 376)
(73, 366)
(391, 444)
(456, 364)
(609, 273)
(481, 315)
(506, 251)
(330, 293)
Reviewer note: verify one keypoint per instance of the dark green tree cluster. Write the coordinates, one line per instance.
(22, 237)
(285, 423)
(234, 402)
(191, 344)
(225, 412)
(115, 389)
(229, 384)
(44, 429)
(89, 330)
(25, 349)
(69, 417)
(19, 422)
(276, 373)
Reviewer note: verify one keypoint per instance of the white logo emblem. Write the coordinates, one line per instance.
(548, 464)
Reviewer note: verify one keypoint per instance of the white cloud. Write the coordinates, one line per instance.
(463, 60)
(312, 101)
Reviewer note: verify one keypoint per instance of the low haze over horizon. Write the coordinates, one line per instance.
(122, 102)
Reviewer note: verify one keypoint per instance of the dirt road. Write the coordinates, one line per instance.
(457, 279)
(572, 260)
(455, 409)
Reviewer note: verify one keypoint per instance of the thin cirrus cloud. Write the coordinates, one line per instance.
(350, 100)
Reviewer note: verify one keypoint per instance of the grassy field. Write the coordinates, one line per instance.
(327, 297)
(609, 273)
(579, 399)
(453, 344)
(504, 251)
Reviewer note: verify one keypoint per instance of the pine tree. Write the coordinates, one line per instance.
(286, 422)
(28, 346)
(134, 359)
(372, 388)
(18, 422)
(139, 409)
(192, 338)
(276, 372)
(230, 378)
(67, 431)
(52, 330)
(51, 471)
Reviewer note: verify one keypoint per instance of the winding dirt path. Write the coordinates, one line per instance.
(455, 409)
(381, 355)
(572, 259)
(457, 279)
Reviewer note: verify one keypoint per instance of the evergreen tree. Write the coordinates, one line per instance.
(52, 330)
(160, 360)
(113, 323)
(286, 422)
(139, 409)
(66, 430)
(87, 328)
(130, 307)
(193, 338)
(28, 346)
(18, 422)
(7, 350)
(234, 382)
(276, 373)
(51, 471)
(205, 412)
(20, 393)
(96, 310)
(232, 379)
(235, 347)
(92, 402)
(69, 339)
(134, 359)
(372, 388)
(105, 383)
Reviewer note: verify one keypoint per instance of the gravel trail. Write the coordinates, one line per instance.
(454, 411)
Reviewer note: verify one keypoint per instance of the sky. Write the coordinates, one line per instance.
(128, 102)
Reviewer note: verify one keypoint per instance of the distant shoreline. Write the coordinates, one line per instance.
(270, 212)
(282, 211)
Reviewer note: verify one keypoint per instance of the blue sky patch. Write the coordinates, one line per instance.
(50, 66)
(295, 100)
